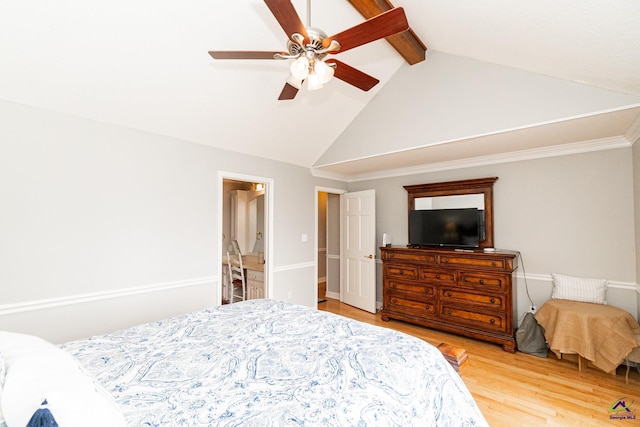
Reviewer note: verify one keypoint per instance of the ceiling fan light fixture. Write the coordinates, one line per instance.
(300, 68)
(323, 71)
(314, 82)
(294, 81)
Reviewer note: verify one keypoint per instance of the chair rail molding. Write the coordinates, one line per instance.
(629, 286)
(27, 306)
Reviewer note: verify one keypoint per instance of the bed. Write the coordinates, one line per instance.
(270, 363)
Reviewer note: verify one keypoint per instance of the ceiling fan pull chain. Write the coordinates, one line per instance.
(308, 14)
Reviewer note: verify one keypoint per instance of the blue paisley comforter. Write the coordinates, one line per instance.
(269, 363)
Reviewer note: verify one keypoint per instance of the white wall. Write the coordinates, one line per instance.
(636, 192)
(103, 227)
(569, 214)
(448, 98)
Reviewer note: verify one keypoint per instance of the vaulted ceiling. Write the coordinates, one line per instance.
(562, 72)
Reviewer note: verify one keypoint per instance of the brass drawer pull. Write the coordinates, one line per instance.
(493, 321)
(448, 311)
(393, 285)
(493, 300)
(426, 291)
(448, 294)
(481, 282)
(426, 307)
(394, 301)
(493, 263)
(438, 276)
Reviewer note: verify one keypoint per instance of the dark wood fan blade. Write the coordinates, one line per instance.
(353, 76)
(243, 54)
(287, 17)
(288, 92)
(386, 24)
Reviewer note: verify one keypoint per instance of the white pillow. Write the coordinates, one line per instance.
(579, 289)
(37, 370)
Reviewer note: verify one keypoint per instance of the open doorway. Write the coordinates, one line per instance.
(350, 247)
(328, 243)
(245, 224)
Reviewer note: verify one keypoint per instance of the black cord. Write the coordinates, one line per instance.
(524, 274)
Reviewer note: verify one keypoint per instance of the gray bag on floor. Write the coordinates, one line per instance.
(530, 337)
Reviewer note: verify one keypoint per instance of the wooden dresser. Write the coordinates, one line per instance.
(468, 293)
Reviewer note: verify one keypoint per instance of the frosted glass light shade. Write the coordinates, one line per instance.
(294, 81)
(314, 82)
(300, 68)
(324, 72)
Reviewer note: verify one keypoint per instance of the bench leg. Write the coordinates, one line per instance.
(626, 377)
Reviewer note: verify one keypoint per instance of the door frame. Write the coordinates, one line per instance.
(268, 228)
(329, 190)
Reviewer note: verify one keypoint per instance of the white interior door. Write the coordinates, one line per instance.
(358, 276)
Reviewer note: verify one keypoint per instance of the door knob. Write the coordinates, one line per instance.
(369, 256)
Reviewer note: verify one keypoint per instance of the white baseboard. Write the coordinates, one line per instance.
(333, 295)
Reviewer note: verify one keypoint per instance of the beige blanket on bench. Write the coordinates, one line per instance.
(603, 334)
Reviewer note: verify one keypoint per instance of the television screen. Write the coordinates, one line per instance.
(444, 227)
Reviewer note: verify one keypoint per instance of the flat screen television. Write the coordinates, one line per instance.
(444, 227)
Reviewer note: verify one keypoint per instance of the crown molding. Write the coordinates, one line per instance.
(516, 156)
(633, 133)
(319, 173)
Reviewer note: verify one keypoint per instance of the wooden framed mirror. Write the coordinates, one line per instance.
(472, 193)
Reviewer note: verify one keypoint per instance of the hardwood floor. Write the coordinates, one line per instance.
(524, 390)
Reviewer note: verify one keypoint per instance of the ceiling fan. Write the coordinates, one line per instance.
(310, 46)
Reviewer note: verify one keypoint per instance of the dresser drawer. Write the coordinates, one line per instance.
(479, 320)
(485, 281)
(495, 263)
(437, 276)
(411, 256)
(417, 290)
(401, 271)
(456, 296)
(410, 306)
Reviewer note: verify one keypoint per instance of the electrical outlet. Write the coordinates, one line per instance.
(533, 309)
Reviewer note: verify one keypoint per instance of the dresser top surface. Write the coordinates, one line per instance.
(453, 251)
